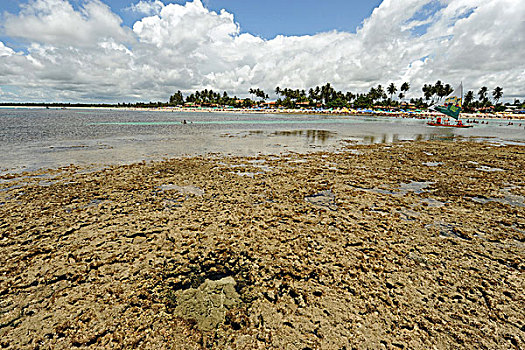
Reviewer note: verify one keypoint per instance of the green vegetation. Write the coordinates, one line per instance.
(327, 97)
(259, 93)
(483, 102)
(324, 96)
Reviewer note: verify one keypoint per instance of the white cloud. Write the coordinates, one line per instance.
(5, 51)
(56, 22)
(147, 7)
(188, 47)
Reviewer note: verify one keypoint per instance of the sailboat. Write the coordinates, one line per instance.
(451, 107)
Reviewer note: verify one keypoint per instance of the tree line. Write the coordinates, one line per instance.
(326, 96)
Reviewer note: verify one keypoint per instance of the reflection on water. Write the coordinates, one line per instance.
(433, 203)
(417, 187)
(507, 198)
(392, 138)
(324, 199)
(488, 169)
(183, 189)
(311, 135)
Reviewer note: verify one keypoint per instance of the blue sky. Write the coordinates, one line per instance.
(296, 17)
(264, 18)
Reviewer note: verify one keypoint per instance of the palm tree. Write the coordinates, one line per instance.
(405, 87)
(482, 93)
(326, 92)
(277, 91)
(311, 94)
(469, 97)
(259, 93)
(497, 93)
(372, 94)
(391, 90)
(428, 91)
(439, 89)
(349, 96)
(380, 92)
(448, 89)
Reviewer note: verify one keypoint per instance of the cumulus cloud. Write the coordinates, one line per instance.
(147, 7)
(189, 47)
(56, 22)
(5, 51)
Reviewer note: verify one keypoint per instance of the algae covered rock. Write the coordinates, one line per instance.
(208, 303)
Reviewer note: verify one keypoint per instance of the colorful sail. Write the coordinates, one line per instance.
(453, 103)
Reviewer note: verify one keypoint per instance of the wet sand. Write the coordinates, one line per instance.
(414, 245)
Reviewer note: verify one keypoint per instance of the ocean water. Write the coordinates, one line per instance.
(32, 139)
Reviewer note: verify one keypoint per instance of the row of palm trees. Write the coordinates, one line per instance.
(324, 95)
(483, 100)
(259, 93)
(328, 97)
(437, 91)
(392, 89)
(210, 97)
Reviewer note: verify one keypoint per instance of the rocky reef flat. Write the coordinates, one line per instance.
(413, 245)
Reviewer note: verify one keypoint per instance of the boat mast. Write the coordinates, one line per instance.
(461, 101)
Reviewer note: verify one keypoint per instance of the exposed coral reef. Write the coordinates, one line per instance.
(414, 245)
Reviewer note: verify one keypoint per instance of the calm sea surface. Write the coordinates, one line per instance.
(31, 139)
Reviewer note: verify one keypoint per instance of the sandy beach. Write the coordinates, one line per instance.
(412, 245)
(421, 114)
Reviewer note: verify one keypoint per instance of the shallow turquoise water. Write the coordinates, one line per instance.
(232, 122)
(31, 138)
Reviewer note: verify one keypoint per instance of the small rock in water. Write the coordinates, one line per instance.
(417, 187)
(433, 203)
(183, 189)
(323, 199)
(488, 169)
(432, 163)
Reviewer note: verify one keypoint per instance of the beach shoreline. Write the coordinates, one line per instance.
(332, 112)
(410, 245)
